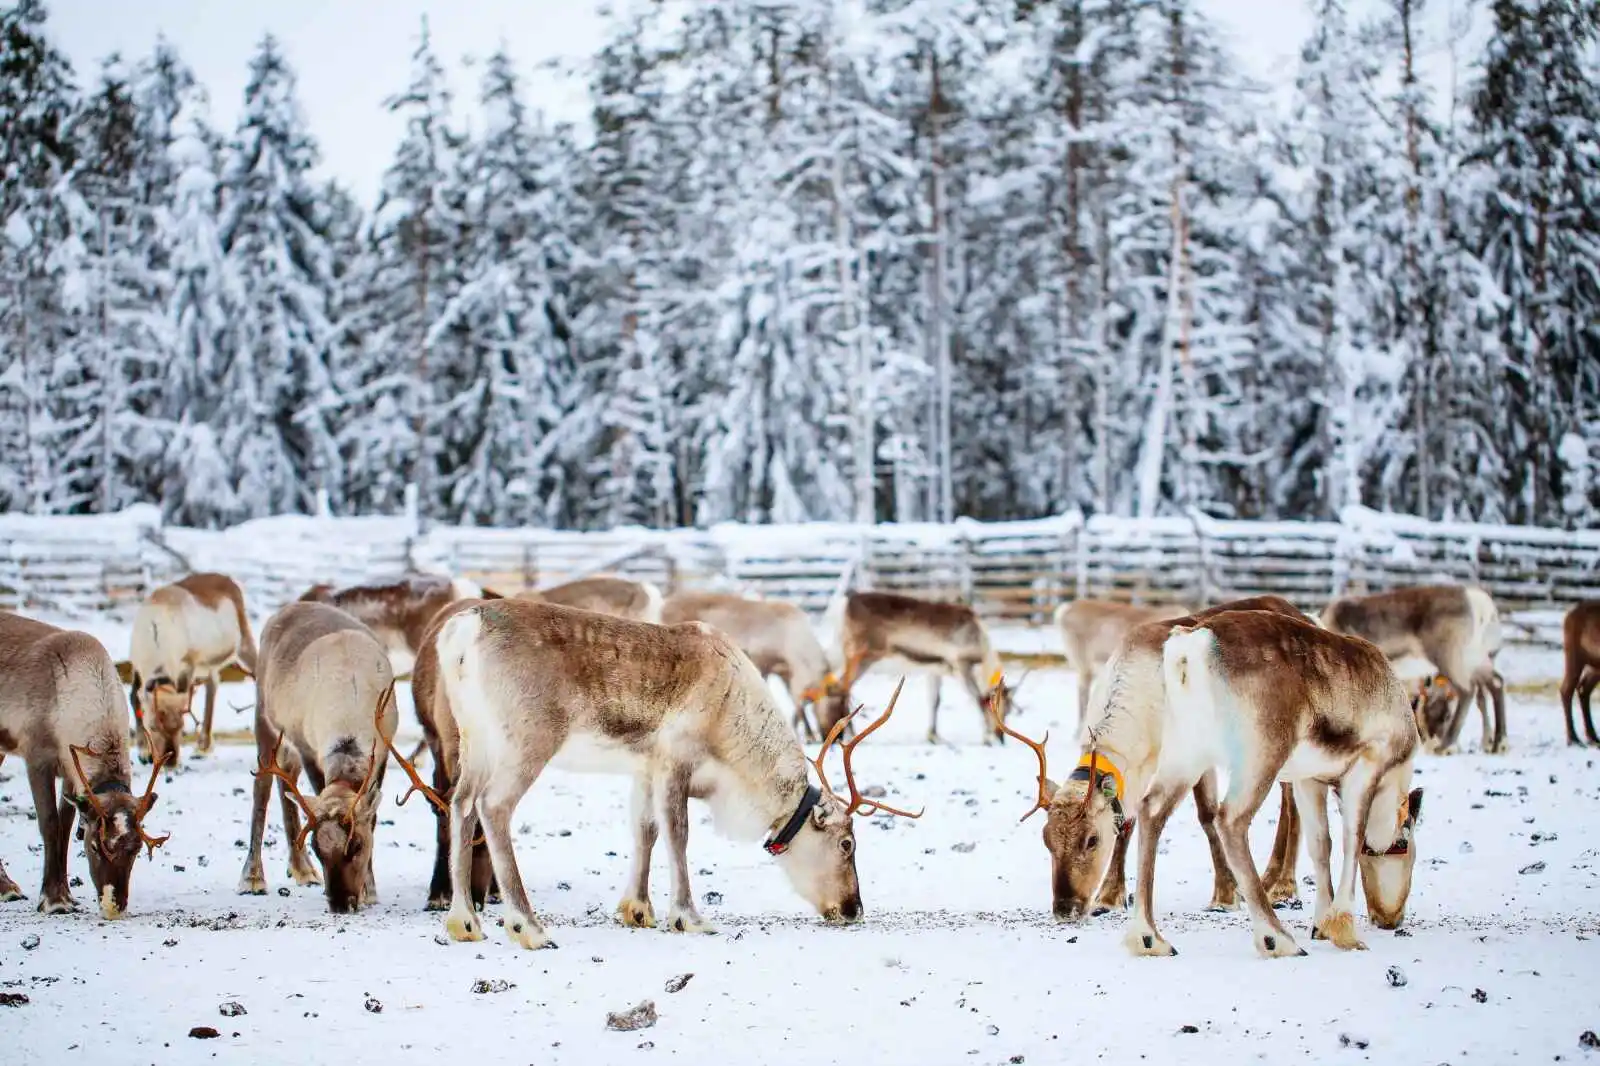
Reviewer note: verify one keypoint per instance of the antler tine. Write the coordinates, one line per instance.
(1043, 802)
(372, 764)
(272, 769)
(822, 753)
(417, 784)
(88, 791)
(857, 800)
(151, 843)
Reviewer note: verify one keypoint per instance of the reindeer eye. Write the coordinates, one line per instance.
(1092, 843)
(847, 845)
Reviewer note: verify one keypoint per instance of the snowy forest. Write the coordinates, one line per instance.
(825, 260)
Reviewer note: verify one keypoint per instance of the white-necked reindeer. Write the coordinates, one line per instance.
(61, 709)
(1454, 627)
(326, 687)
(679, 708)
(949, 638)
(1267, 697)
(184, 635)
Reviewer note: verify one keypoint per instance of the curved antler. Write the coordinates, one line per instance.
(88, 790)
(143, 807)
(272, 769)
(857, 800)
(1043, 802)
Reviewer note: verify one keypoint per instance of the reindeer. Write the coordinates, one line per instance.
(1454, 627)
(949, 637)
(184, 634)
(1580, 632)
(397, 612)
(1091, 632)
(777, 636)
(679, 708)
(325, 685)
(1087, 863)
(639, 601)
(61, 706)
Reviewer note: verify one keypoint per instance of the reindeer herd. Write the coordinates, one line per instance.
(607, 675)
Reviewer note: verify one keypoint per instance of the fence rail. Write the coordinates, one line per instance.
(1011, 572)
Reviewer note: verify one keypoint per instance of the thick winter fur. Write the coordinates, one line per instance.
(59, 688)
(184, 635)
(1581, 641)
(1272, 698)
(639, 601)
(321, 680)
(777, 636)
(1092, 631)
(946, 638)
(678, 708)
(1088, 856)
(397, 612)
(1454, 627)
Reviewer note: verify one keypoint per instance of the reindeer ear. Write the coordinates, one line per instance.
(85, 809)
(1415, 809)
(1051, 788)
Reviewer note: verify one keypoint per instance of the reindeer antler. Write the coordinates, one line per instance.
(271, 768)
(88, 790)
(143, 807)
(857, 800)
(1043, 802)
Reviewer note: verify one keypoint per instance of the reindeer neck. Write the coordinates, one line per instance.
(1130, 744)
(761, 763)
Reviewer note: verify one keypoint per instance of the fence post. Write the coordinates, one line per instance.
(1204, 586)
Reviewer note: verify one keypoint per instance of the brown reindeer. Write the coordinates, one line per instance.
(184, 635)
(1266, 696)
(1580, 632)
(777, 636)
(1092, 631)
(326, 687)
(639, 601)
(1454, 627)
(397, 612)
(948, 637)
(678, 708)
(1087, 865)
(61, 709)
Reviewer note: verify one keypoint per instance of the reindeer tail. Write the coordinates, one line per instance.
(1186, 663)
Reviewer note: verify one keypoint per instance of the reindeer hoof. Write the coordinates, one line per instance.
(58, 904)
(10, 893)
(1222, 905)
(1339, 927)
(688, 922)
(1282, 892)
(305, 876)
(1149, 944)
(438, 903)
(1278, 946)
(464, 927)
(637, 914)
(528, 933)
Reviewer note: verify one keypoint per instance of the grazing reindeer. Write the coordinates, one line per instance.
(638, 601)
(1092, 631)
(1581, 640)
(777, 636)
(325, 685)
(397, 612)
(183, 635)
(61, 709)
(679, 708)
(1454, 627)
(1087, 862)
(880, 626)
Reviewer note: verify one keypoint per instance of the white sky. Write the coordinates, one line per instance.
(351, 54)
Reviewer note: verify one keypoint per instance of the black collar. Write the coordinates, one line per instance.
(111, 786)
(779, 843)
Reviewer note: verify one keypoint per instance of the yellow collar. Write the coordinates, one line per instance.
(1095, 764)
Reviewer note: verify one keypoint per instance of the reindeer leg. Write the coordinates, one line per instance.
(1585, 691)
(1446, 743)
(54, 898)
(301, 868)
(1311, 800)
(462, 921)
(203, 746)
(253, 881)
(9, 890)
(1569, 685)
(1248, 787)
(439, 886)
(1154, 810)
(635, 909)
(1357, 789)
(1114, 889)
(1224, 893)
(683, 917)
(1280, 880)
(497, 809)
(969, 678)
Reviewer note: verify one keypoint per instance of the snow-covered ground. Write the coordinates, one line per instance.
(958, 960)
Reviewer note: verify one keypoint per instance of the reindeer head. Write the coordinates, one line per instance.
(112, 829)
(831, 699)
(161, 712)
(819, 854)
(1083, 818)
(1432, 705)
(1386, 875)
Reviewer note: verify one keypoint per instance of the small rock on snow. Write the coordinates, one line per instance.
(232, 1009)
(962, 848)
(1396, 977)
(1589, 1040)
(481, 986)
(30, 941)
(993, 1030)
(13, 999)
(441, 940)
(713, 899)
(1189, 1029)
(875, 792)
(675, 984)
(284, 891)
(1357, 1042)
(204, 1032)
(1532, 868)
(373, 1006)
(641, 1017)
(1480, 995)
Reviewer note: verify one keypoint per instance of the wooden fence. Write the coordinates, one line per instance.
(1012, 572)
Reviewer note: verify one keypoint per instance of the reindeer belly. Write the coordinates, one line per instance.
(1310, 761)
(587, 753)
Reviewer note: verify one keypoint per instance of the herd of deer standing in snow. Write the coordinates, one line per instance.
(607, 675)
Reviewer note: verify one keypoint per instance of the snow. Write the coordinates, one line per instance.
(958, 959)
